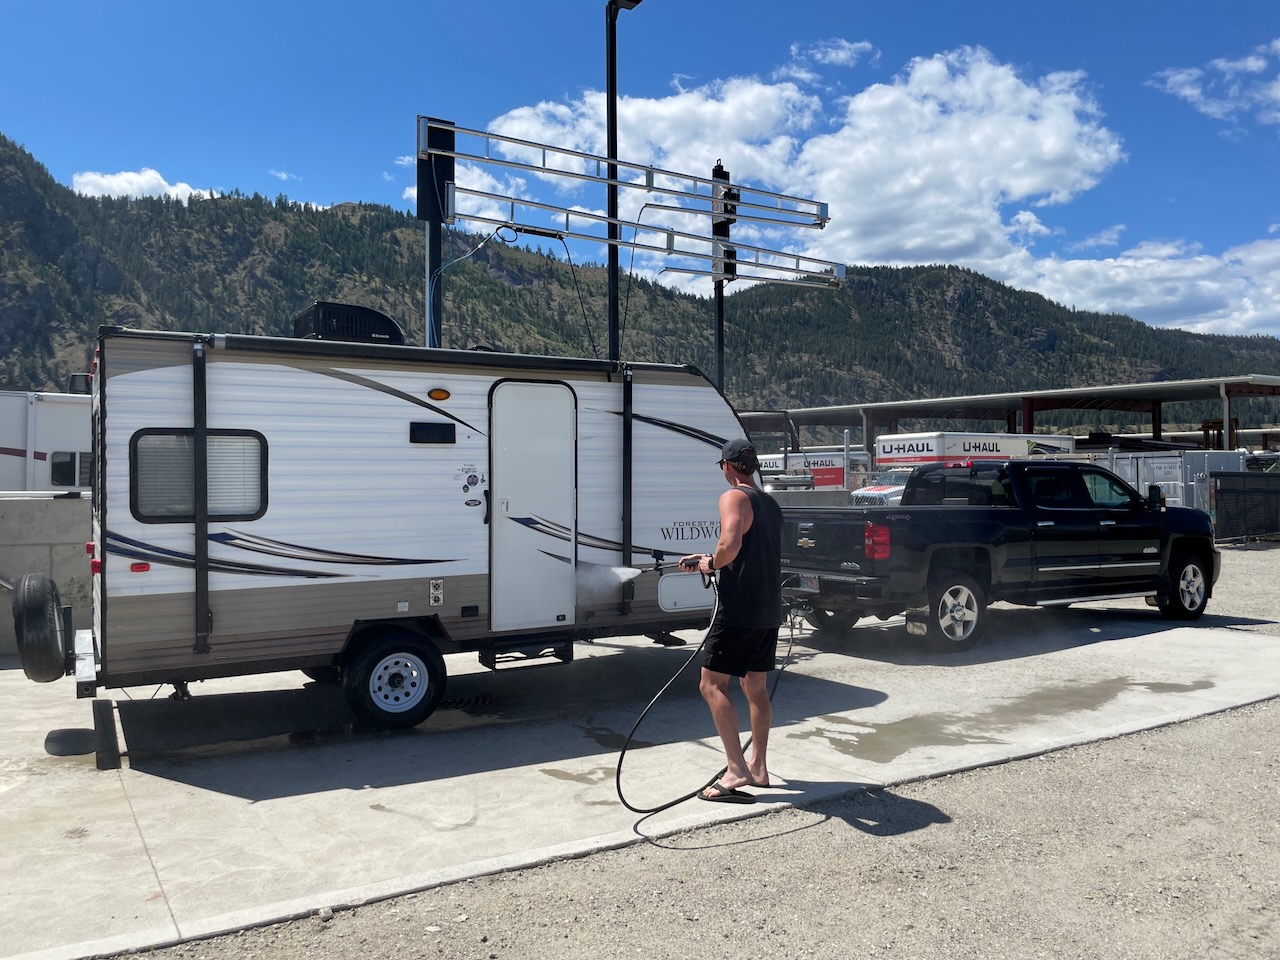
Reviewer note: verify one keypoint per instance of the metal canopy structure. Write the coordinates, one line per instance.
(1016, 412)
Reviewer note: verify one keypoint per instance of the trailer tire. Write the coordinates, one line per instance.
(1188, 589)
(37, 626)
(957, 612)
(840, 621)
(396, 681)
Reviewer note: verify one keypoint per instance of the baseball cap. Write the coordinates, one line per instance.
(740, 451)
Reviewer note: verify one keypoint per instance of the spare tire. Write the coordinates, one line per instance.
(37, 624)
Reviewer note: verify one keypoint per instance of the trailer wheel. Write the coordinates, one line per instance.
(37, 625)
(396, 681)
(1188, 589)
(957, 612)
(838, 620)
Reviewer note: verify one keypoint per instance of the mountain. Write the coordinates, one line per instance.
(247, 264)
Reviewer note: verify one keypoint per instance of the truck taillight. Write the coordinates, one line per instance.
(876, 541)
(95, 566)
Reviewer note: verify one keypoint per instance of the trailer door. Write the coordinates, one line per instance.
(533, 485)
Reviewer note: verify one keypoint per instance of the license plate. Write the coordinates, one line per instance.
(809, 583)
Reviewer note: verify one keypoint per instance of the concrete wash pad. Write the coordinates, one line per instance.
(259, 800)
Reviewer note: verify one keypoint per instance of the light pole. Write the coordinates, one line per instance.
(611, 124)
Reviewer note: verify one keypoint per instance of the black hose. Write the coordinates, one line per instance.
(709, 580)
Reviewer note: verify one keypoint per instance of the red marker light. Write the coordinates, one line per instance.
(95, 566)
(139, 567)
(89, 547)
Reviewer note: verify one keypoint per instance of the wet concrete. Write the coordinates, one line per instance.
(260, 798)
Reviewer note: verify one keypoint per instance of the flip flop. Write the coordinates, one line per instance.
(724, 794)
(760, 786)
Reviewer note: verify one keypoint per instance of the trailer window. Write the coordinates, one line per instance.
(68, 469)
(162, 474)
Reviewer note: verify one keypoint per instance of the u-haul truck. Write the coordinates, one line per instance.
(908, 449)
(825, 465)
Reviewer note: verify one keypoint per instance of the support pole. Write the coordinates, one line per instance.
(719, 300)
(611, 113)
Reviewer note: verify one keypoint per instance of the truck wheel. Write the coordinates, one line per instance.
(37, 625)
(838, 620)
(957, 612)
(1188, 589)
(396, 681)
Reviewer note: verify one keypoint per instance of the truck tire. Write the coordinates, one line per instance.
(957, 612)
(1188, 589)
(395, 681)
(839, 621)
(37, 626)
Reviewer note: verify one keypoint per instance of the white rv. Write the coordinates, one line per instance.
(909, 449)
(358, 510)
(44, 441)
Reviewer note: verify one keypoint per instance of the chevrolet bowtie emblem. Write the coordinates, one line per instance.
(806, 543)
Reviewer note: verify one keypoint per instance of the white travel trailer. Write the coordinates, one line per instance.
(44, 441)
(357, 510)
(909, 449)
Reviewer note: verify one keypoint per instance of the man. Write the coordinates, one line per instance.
(743, 639)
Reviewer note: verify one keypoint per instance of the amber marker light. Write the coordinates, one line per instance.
(439, 393)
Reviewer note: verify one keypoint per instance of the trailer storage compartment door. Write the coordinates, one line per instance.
(533, 485)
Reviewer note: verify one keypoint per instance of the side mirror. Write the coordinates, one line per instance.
(1155, 497)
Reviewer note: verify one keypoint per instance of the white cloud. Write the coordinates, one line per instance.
(1228, 89)
(1172, 285)
(1026, 224)
(958, 159)
(921, 167)
(840, 53)
(132, 183)
(1110, 237)
(283, 175)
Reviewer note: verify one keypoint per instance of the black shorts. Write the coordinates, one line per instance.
(738, 651)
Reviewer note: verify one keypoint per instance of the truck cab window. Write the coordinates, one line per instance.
(1058, 490)
(1106, 491)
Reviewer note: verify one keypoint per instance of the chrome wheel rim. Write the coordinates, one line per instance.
(957, 613)
(1191, 587)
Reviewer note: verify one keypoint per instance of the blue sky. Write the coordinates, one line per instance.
(1117, 156)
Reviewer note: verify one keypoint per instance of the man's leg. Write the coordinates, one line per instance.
(715, 690)
(756, 687)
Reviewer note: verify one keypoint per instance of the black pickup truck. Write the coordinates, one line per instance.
(1031, 532)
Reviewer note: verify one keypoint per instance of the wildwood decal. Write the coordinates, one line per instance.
(692, 530)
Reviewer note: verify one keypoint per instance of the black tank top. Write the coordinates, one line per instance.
(751, 586)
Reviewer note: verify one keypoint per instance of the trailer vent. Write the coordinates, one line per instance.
(324, 320)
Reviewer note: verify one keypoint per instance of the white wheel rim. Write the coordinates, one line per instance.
(398, 683)
(957, 613)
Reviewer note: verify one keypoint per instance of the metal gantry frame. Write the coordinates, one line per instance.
(441, 144)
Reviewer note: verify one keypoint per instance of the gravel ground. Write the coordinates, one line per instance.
(1162, 844)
